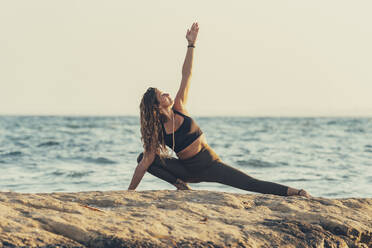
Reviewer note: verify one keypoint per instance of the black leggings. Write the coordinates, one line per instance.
(206, 166)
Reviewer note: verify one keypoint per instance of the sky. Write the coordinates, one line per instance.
(252, 58)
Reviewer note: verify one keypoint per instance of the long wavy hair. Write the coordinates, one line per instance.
(151, 121)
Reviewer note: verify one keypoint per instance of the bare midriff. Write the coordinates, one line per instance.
(193, 148)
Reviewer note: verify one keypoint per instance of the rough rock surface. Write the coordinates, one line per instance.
(182, 219)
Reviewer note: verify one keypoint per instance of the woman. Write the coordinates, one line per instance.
(166, 122)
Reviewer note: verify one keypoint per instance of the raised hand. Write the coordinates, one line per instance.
(192, 33)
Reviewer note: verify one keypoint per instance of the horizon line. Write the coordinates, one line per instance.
(211, 116)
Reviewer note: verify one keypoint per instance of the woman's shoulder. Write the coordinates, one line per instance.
(181, 109)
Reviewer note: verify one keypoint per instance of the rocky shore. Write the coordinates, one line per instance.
(167, 218)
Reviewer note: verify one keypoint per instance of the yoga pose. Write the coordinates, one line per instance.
(166, 122)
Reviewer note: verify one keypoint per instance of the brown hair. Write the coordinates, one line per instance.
(151, 121)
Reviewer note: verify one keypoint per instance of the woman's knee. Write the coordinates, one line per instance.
(140, 156)
(154, 163)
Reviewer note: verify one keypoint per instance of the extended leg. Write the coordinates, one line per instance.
(225, 174)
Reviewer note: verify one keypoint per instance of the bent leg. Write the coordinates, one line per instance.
(157, 170)
(170, 170)
(225, 174)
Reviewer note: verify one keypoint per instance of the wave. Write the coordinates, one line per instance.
(251, 139)
(49, 143)
(296, 180)
(258, 163)
(75, 174)
(20, 144)
(57, 173)
(100, 160)
(327, 178)
(355, 130)
(72, 126)
(71, 174)
(16, 153)
(332, 122)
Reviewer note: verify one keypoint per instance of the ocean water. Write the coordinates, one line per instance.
(329, 157)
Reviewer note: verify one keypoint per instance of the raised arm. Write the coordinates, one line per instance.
(182, 94)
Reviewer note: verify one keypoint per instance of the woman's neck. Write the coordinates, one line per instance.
(169, 113)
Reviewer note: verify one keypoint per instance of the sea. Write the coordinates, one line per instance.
(328, 157)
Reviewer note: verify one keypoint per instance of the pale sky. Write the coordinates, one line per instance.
(252, 58)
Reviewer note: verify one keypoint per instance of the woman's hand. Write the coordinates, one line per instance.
(192, 33)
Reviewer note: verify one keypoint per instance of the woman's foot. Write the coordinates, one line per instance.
(302, 192)
(181, 185)
(299, 192)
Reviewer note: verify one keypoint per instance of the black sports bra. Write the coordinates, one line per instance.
(187, 133)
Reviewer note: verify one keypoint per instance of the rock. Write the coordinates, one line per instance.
(182, 219)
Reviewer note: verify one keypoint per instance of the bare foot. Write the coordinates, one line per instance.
(181, 185)
(301, 192)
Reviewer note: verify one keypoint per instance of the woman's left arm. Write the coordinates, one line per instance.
(182, 94)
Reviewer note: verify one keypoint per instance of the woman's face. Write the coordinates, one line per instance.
(164, 99)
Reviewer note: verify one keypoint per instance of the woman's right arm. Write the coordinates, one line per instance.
(182, 94)
(141, 169)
